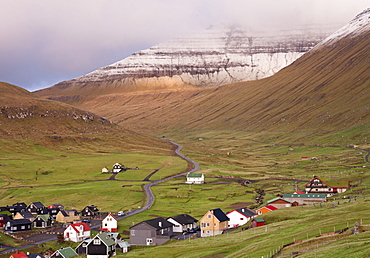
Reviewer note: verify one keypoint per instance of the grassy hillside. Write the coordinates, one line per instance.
(326, 89)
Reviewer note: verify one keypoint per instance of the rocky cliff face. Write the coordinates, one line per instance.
(217, 56)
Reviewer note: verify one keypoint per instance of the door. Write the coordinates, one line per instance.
(149, 241)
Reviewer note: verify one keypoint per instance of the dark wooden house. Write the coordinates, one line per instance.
(102, 245)
(35, 207)
(18, 225)
(150, 232)
(4, 218)
(90, 211)
(43, 221)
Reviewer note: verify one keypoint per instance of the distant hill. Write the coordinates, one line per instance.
(217, 56)
(23, 114)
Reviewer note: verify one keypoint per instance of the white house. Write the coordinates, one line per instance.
(109, 223)
(240, 217)
(182, 223)
(195, 178)
(77, 232)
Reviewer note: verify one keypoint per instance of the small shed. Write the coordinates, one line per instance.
(258, 222)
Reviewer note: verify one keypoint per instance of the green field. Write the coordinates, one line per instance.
(71, 175)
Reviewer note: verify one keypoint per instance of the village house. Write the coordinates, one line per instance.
(4, 218)
(17, 207)
(100, 246)
(90, 211)
(43, 221)
(67, 216)
(121, 245)
(257, 222)
(18, 225)
(24, 215)
(195, 178)
(35, 207)
(151, 232)
(214, 222)
(304, 199)
(64, 253)
(109, 223)
(76, 232)
(240, 217)
(265, 209)
(18, 255)
(279, 203)
(318, 186)
(182, 223)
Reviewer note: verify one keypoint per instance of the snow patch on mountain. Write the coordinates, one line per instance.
(360, 24)
(217, 56)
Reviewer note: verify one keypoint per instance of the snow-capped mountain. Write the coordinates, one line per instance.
(217, 56)
(358, 25)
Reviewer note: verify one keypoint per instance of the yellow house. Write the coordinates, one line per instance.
(67, 216)
(214, 222)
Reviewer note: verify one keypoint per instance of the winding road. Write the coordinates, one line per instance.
(148, 192)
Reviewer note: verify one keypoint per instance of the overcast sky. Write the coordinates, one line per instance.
(44, 42)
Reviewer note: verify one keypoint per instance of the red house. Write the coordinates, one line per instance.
(258, 222)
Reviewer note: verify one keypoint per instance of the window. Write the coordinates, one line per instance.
(209, 216)
(132, 232)
(96, 241)
(23, 227)
(241, 218)
(207, 224)
(214, 224)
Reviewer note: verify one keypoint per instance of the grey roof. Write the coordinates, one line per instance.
(184, 219)
(105, 238)
(157, 223)
(247, 212)
(26, 214)
(220, 215)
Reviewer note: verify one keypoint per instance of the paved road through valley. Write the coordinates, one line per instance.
(148, 192)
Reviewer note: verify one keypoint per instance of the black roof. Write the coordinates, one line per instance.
(26, 214)
(19, 221)
(36, 256)
(38, 205)
(184, 219)
(247, 212)
(158, 223)
(220, 215)
(20, 204)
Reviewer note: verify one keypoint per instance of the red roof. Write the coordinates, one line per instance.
(19, 255)
(299, 192)
(270, 207)
(76, 226)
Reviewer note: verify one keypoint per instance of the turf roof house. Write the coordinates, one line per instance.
(195, 178)
(318, 186)
(151, 232)
(182, 223)
(77, 232)
(240, 217)
(214, 222)
(43, 221)
(100, 246)
(64, 253)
